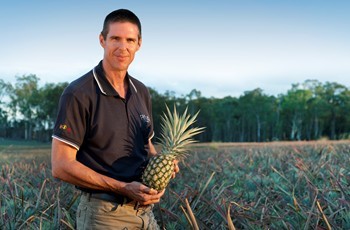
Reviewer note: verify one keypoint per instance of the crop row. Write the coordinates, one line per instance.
(268, 186)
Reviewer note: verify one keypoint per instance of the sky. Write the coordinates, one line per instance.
(221, 48)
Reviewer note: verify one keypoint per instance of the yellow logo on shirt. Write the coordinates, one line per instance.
(65, 128)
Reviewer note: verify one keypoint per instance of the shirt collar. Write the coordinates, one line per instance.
(105, 87)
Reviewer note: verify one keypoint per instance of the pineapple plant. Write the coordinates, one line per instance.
(176, 135)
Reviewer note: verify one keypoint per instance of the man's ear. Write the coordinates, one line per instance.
(139, 43)
(102, 40)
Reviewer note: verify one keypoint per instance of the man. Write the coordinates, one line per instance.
(102, 136)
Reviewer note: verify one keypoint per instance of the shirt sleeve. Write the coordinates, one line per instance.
(70, 126)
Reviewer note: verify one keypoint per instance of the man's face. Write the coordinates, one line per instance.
(120, 46)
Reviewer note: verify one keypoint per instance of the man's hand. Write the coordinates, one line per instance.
(143, 194)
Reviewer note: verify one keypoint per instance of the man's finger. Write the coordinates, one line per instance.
(153, 191)
(149, 191)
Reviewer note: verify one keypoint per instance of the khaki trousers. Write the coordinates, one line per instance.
(94, 213)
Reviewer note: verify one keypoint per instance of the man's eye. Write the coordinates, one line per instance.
(114, 39)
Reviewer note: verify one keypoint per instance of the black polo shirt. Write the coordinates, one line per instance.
(110, 133)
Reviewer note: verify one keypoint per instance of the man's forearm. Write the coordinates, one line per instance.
(67, 168)
(151, 149)
(78, 174)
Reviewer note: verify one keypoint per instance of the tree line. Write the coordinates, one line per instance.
(311, 110)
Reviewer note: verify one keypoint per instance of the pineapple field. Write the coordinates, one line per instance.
(277, 185)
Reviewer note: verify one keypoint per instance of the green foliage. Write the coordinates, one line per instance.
(30, 198)
(308, 111)
(272, 186)
(28, 111)
(267, 186)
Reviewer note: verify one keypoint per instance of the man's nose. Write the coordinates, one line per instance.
(123, 45)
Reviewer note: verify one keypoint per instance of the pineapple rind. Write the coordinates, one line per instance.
(158, 172)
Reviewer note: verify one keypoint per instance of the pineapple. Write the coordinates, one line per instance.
(176, 134)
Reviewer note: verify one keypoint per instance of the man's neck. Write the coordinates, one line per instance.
(118, 80)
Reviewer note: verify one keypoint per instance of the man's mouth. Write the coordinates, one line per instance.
(121, 58)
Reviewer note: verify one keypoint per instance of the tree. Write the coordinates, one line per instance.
(314, 123)
(335, 96)
(25, 101)
(158, 106)
(229, 118)
(5, 88)
(47, 110)
(308, 111)
(256, 108)
(295, 107)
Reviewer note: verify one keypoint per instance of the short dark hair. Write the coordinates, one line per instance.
(121, 15)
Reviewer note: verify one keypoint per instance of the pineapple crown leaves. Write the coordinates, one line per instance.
(176, 132)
